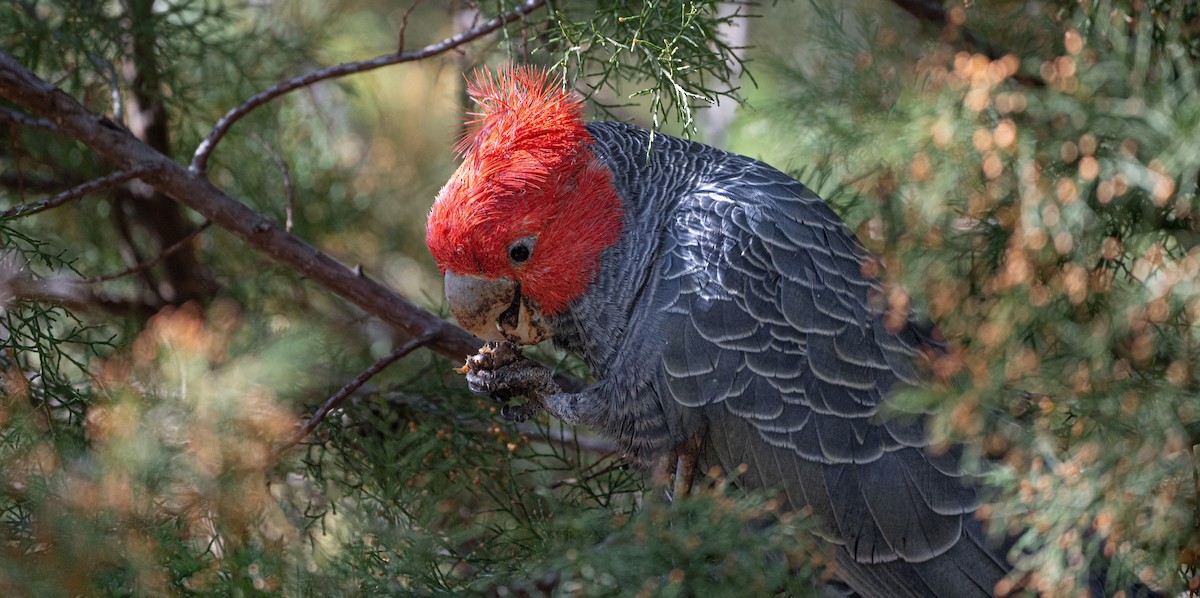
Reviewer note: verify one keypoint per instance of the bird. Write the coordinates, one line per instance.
(721, 306)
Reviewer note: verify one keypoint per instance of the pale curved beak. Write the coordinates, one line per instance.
(494, 309)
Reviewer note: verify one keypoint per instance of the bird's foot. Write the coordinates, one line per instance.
(502, 372)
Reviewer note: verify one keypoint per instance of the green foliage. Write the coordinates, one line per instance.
(1042, 205)
(485, 510)
(1032, 184)
(669, 51)
(138, 444)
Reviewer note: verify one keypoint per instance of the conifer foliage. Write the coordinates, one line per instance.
(211, 219)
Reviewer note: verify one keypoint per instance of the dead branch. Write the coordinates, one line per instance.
(341, 395)
(128, 248)
(206, 147)
(180, 244)
(76, 192)
(113, 142)
(404, 25)
(926, 10)
(18, 284)
(8, 116)
(182, 277)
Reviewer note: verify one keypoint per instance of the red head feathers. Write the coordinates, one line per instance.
(528, 177)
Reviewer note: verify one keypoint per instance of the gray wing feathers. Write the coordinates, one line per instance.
(968, 567)
(773, 336)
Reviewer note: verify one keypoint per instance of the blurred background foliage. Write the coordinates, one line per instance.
(1025, 171)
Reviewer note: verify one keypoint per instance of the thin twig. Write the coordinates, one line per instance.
(9, 116)
(176, 246)
(591, 444)
(340, 396)
(404, 25)
(77, 192)
(206, 147)
(128, 248)
(611, 468)
(25, 89)
(602, 458)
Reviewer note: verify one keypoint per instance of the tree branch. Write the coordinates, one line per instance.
(206, 147)
(8, 116)
(17, 283)
(113, 142)
(341, 395)
(77, 192)
(183, 277)
(128, 248)
(150, 263)
(404, 25)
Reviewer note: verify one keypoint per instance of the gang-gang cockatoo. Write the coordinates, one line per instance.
(719, 304)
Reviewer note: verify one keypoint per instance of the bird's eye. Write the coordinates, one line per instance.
(521, 250)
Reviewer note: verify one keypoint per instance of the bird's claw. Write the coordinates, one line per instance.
(492, 355)
(486, 370)
(520, 413)
(502, 372)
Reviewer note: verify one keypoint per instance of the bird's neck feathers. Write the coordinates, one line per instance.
(528, 169)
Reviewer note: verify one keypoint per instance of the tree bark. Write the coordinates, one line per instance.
(183, 278)
(118, 145)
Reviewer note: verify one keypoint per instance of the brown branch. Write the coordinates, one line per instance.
(22, 87)
(93, 301)
(182, 276)
(136, 268)
(77, 192)
(340, 396)
(927, 10)
(8, 116)
(18, 284)
(128, 248)
(206, 147)
(404, 25)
